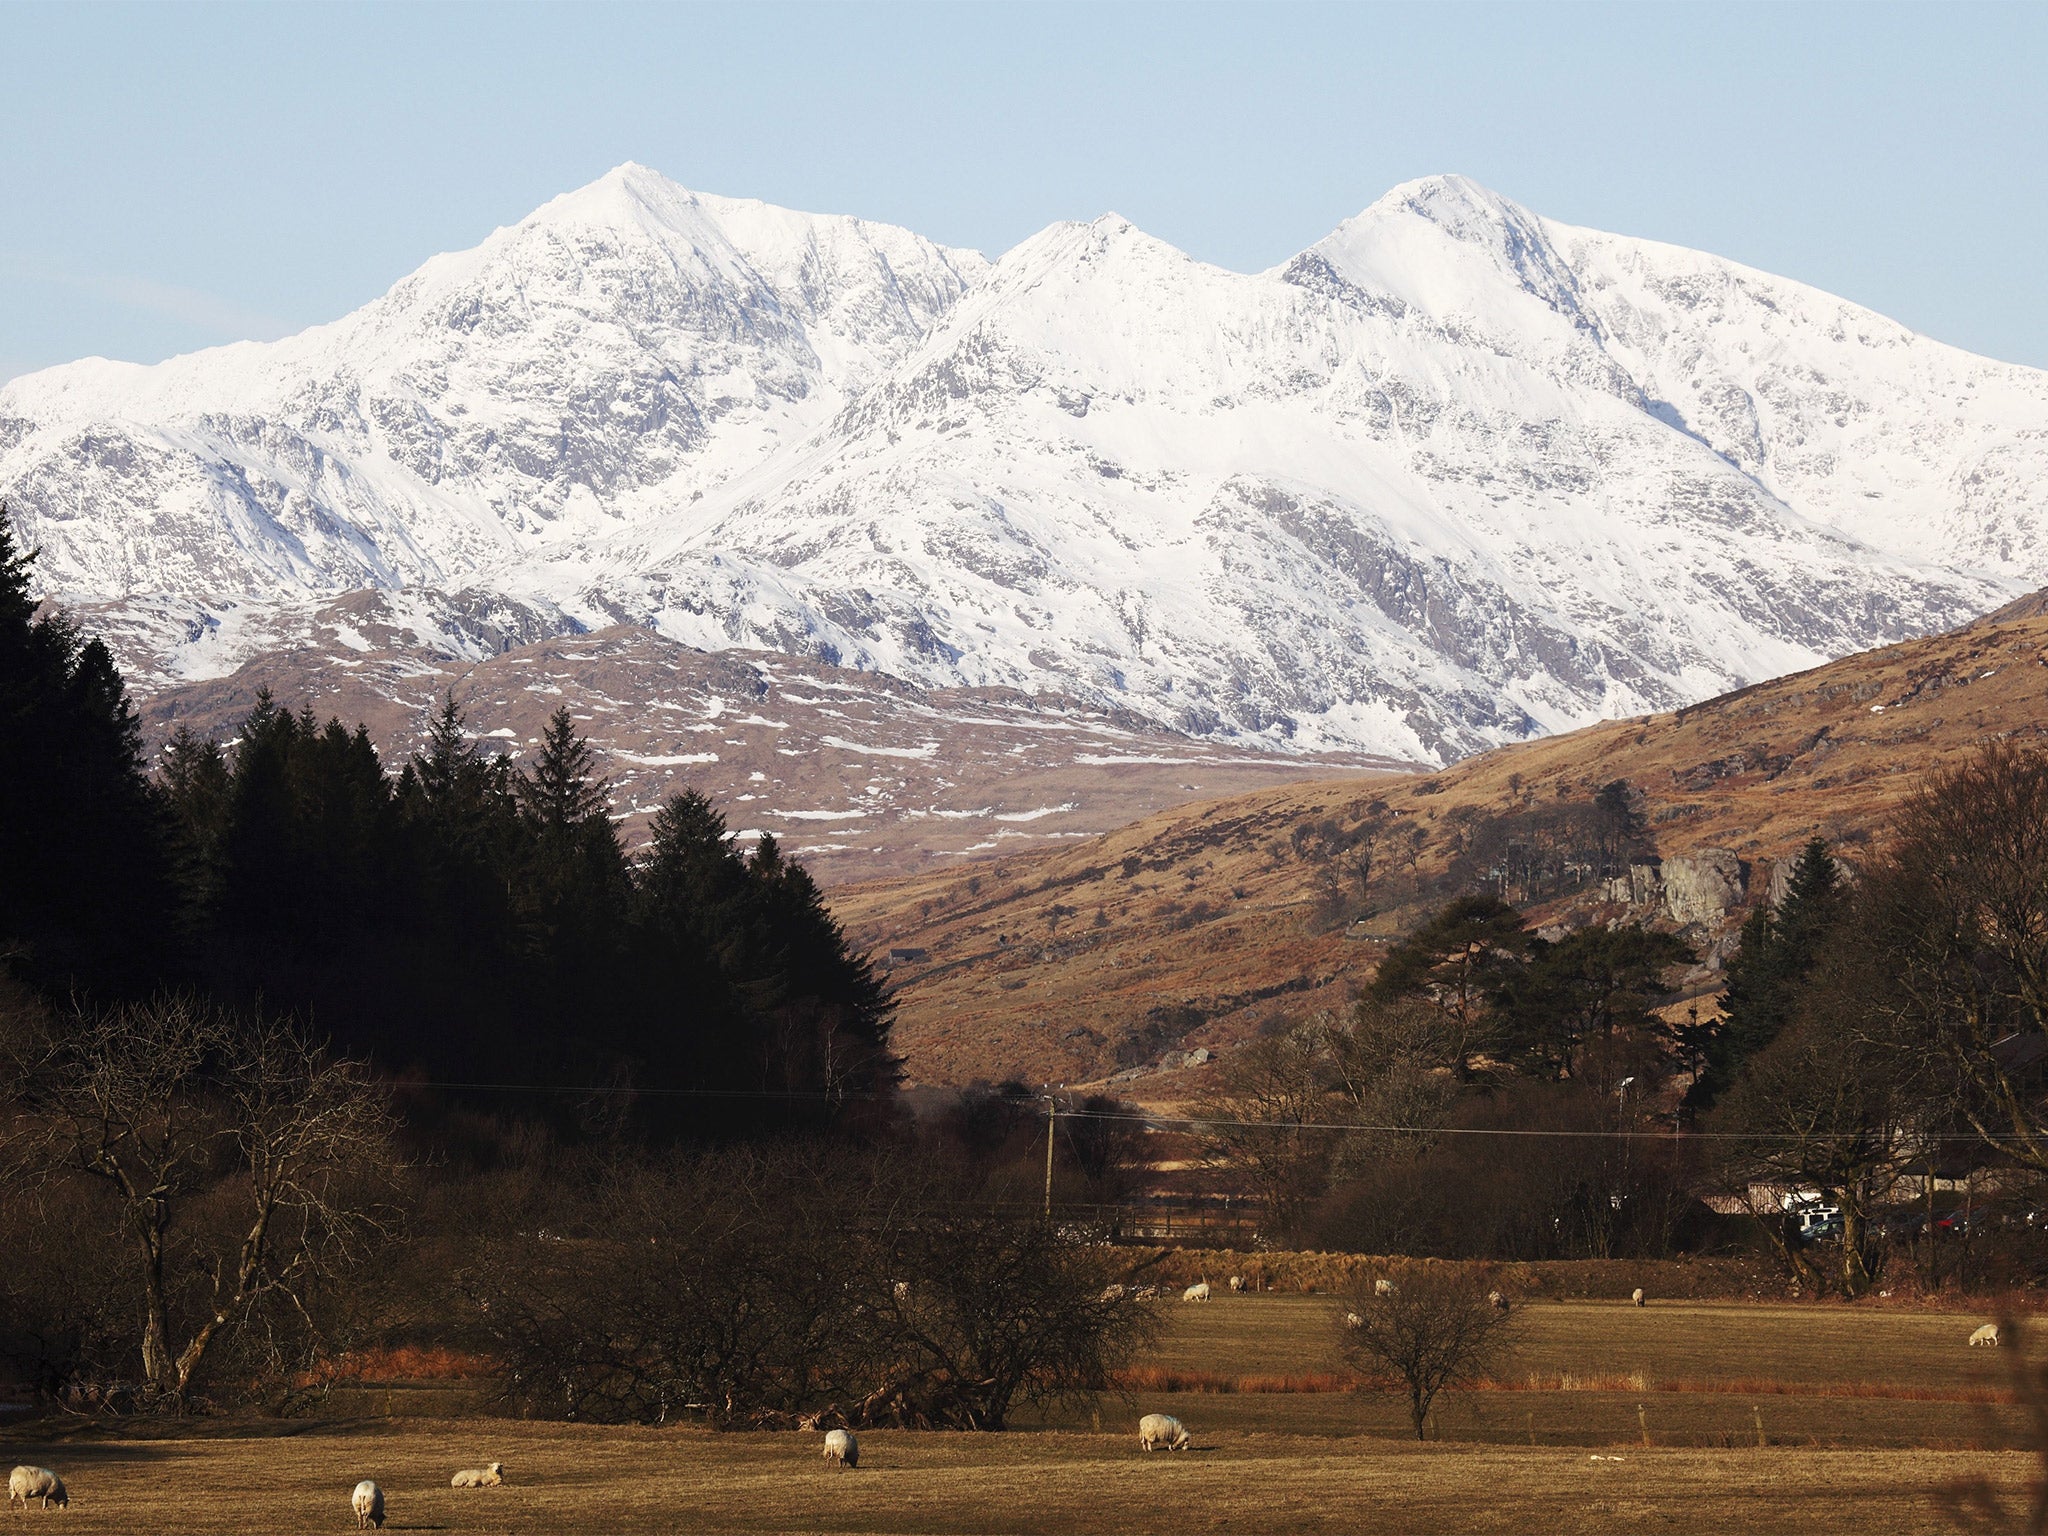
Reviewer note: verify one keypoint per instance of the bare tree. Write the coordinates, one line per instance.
(1958, 911)
(1820, 1109)
(1269, 1113)
(1433, 1327)
(184, 1113)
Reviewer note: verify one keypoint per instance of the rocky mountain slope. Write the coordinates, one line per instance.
(1454, 476)
(858, 774)
(1185, 932)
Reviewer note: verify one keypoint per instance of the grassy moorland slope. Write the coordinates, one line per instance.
(1193, 926)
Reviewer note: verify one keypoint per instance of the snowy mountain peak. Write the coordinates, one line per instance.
(1448, 246)
(1454, 475)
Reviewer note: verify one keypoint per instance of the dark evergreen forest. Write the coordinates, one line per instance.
(477, 931)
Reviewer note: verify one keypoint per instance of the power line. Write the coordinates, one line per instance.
(1195, 1123)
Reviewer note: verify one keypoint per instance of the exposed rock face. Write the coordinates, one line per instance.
(1642, 886)
(1703, 887)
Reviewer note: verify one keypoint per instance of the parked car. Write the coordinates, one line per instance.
(1819, 1222)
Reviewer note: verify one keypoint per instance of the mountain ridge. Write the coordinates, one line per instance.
(1452, 476)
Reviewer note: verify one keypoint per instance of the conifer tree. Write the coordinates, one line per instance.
(85, 899)
(1459, 960)
(1779, 951)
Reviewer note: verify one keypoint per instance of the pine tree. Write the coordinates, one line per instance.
(562, 791)
(85, 900)
(1778, 952)
(1460, 960)
(196, 786)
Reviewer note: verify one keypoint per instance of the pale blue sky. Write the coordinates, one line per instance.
(176, 176)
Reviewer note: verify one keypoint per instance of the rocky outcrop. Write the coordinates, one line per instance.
(1703, 887)
(1700, 888)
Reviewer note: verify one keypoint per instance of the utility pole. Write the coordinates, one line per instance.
(1052, 1108)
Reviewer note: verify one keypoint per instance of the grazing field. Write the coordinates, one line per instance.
(1869, 1416)
(564, 1478)
(1701, 1374)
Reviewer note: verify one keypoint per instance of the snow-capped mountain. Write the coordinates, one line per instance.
(1452, 476)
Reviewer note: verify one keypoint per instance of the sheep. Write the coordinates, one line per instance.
(1199, 1291)
(1636, 1296)
(1353, 1321)
(842, 1447)
(1383, 1287)
(1987, 1335)
(1495, 1300)
(1112, 1293)
(1162, 1429)
(368, 1503)
(1148, 1293)
(26, 1483)
(1236, 1284)
(900, 1290)
(489, 1476)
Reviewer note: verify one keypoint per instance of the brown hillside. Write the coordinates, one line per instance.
(1192, 927)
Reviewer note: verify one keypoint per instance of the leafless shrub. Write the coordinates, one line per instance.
(1432, 1327)
(754, 1287)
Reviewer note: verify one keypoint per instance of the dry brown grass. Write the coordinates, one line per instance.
(404, 1363)
(564, 1478)
(1867, 1415)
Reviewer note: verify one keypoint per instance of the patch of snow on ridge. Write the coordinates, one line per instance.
(922, 753)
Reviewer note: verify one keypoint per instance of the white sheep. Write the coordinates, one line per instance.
(900, 1290)
(842, 1447)
(1353, 1321)
(368, 1503)
(1112, 1293)
(1199, 1291)
(1495, 1300)
(1636, 1296)
(1987, 1335)
(1162, 1429)
(1148, 1293)
(1383, 1287)
(488, 1476)
(25, 1483)
(1236, 1284)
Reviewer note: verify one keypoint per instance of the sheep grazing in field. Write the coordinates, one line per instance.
(1495, 1300)
(1383, 1287)
(900, 1290)
(1236, 1285)
(1987, 1336)
(1636, 1296)
(368, 1503)
(26, 1483)
(1156, 1429)
(1199, 1291)
(489, 1476)
(1353, 1321)
(1112, 1293)
(1147, 1293)
(842, 1447)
